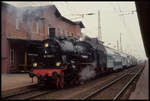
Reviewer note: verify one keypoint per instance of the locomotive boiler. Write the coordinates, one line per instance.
(91, 53)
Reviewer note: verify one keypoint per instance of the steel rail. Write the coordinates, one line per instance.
(25, 91)
(101, 89)
(46, 92)
(14, 93)
(30, 96)
(123, 89)
(18, 94)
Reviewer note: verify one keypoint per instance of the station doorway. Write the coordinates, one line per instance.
(20, 61)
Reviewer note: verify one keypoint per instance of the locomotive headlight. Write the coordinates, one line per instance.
(35, 64)
(58, 63)
(46, 44)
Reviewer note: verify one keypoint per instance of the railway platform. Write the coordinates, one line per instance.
(141, 90)
(12, 81)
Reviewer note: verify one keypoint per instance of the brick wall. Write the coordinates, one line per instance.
(50, 18)
(27, 30)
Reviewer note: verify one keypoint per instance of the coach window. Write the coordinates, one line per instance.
(11, 56)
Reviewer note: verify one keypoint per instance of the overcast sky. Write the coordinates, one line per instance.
(112, 23)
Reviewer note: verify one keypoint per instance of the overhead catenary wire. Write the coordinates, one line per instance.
(122, 18)
(128, 31)
(116, 11)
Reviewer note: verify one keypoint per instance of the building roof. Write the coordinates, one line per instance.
(80, 23)
(57, 13)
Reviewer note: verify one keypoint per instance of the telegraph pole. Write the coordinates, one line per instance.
(117, 45)
(99, 27)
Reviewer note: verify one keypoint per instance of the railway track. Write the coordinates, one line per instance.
(20, 90)
(81, 91)
(115, 88)
(36, 91)
(27, 93)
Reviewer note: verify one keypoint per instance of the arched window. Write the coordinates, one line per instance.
(17, 23)
(37, 27)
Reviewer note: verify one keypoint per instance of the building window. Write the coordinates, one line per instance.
(48, 31)
(58, 31)
(63, 32)
(17, 24)
(70, 34)
(11, 56)
(67, 34)
(37, 27)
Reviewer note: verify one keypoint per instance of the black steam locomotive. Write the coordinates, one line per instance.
(60, 60)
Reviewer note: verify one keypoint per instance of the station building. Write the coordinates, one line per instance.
(30, 24)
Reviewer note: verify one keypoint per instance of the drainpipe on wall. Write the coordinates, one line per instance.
(25, 61)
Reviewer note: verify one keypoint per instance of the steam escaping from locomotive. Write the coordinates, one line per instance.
(82, 37)
(67, 46)
(88, 72)
(79, 49)
(25, 14)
